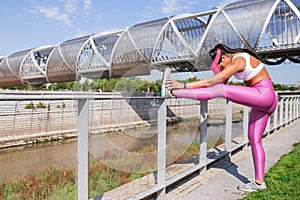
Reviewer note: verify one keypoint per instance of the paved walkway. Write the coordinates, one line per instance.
(222, 179)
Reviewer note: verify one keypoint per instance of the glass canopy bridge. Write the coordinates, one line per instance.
(269, 27)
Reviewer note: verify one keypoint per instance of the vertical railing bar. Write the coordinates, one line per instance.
(228, 126)
(267, 131)
(162, 141)
(281, 112)
(82, 145)
(275, 123)
(203, 134)
(297, 107)
(291, 110)
(294, 108)
(286, 111)
(245, 124)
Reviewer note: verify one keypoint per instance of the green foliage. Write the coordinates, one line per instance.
(61, 106)
(130, 84)
(30, 106)
(61, 86)
(40, 105)
(33, 107)
(277, 86)
(280, 87)
(134, 176)
(236, 83)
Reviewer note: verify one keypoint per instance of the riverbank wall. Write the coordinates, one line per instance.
(27, 122)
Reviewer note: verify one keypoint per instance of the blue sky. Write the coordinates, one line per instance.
(28, 24)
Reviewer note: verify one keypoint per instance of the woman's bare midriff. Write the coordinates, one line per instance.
(263, 74)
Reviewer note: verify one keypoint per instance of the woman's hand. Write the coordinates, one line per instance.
(173, 84)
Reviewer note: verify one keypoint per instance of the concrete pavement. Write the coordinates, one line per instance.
(221, 179)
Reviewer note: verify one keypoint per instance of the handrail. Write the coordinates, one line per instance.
(286, 112)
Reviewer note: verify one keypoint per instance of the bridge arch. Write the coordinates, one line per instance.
(271, 28)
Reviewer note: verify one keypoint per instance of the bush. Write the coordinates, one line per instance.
(40, 105)
(30, 106)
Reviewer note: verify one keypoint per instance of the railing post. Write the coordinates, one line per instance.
(267, 131)
(82, 147)
(286, 117)
(294, 108)
(281, 112)
(245, 124)
(297, 108)
(203, 134)
(275, 117)
(291, 110)
(162, 141)
(228, 127)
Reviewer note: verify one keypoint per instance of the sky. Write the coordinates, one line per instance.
(27, 24)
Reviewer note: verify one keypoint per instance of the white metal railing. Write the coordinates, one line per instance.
(286, 112)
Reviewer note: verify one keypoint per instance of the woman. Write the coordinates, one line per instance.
(259, 94)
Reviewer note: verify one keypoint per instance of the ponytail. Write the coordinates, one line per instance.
(225, 49)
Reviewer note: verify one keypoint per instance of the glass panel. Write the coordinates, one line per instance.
(7, 78)
(134, 49)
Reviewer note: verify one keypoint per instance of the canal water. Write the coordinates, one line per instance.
(28, 160)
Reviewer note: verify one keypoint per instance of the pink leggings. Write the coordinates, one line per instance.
(260, 97)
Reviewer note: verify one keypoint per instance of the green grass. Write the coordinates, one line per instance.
(283, 179)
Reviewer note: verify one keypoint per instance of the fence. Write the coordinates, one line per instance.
(131, 110)
(287, 111)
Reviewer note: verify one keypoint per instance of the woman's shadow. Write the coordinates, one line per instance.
(226, 164)
(223, 163)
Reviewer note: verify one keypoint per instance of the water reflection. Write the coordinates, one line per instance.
(27, 160)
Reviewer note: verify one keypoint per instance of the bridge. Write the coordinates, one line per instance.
(270, 28)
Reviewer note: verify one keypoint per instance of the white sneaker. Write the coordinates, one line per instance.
(252, 186)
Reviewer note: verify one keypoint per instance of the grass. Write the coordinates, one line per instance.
(283, 179)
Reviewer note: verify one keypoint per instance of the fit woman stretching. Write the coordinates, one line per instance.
(258, 94)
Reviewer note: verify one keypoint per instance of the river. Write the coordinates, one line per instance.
(30, 159)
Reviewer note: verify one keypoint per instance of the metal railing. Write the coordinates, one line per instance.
(286, 112)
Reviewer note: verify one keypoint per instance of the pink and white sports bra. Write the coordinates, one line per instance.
(249, 72)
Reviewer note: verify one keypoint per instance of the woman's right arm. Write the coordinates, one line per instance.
(221, 77)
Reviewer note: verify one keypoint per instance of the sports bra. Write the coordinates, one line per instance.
(249, 72)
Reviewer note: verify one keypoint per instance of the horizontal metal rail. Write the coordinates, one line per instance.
(287, 111)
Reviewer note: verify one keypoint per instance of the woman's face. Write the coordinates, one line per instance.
(226, 59)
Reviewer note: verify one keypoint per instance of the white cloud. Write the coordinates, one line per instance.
(87, 6)
(53, 13)
(70, 5)
(172, 6)
(65, 12)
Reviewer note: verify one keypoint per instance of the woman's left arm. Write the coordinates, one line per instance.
(174, 85)
(221, 77)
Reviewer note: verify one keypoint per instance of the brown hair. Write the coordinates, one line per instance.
(225, 49)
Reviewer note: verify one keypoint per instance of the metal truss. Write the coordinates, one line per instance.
(270, 28)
